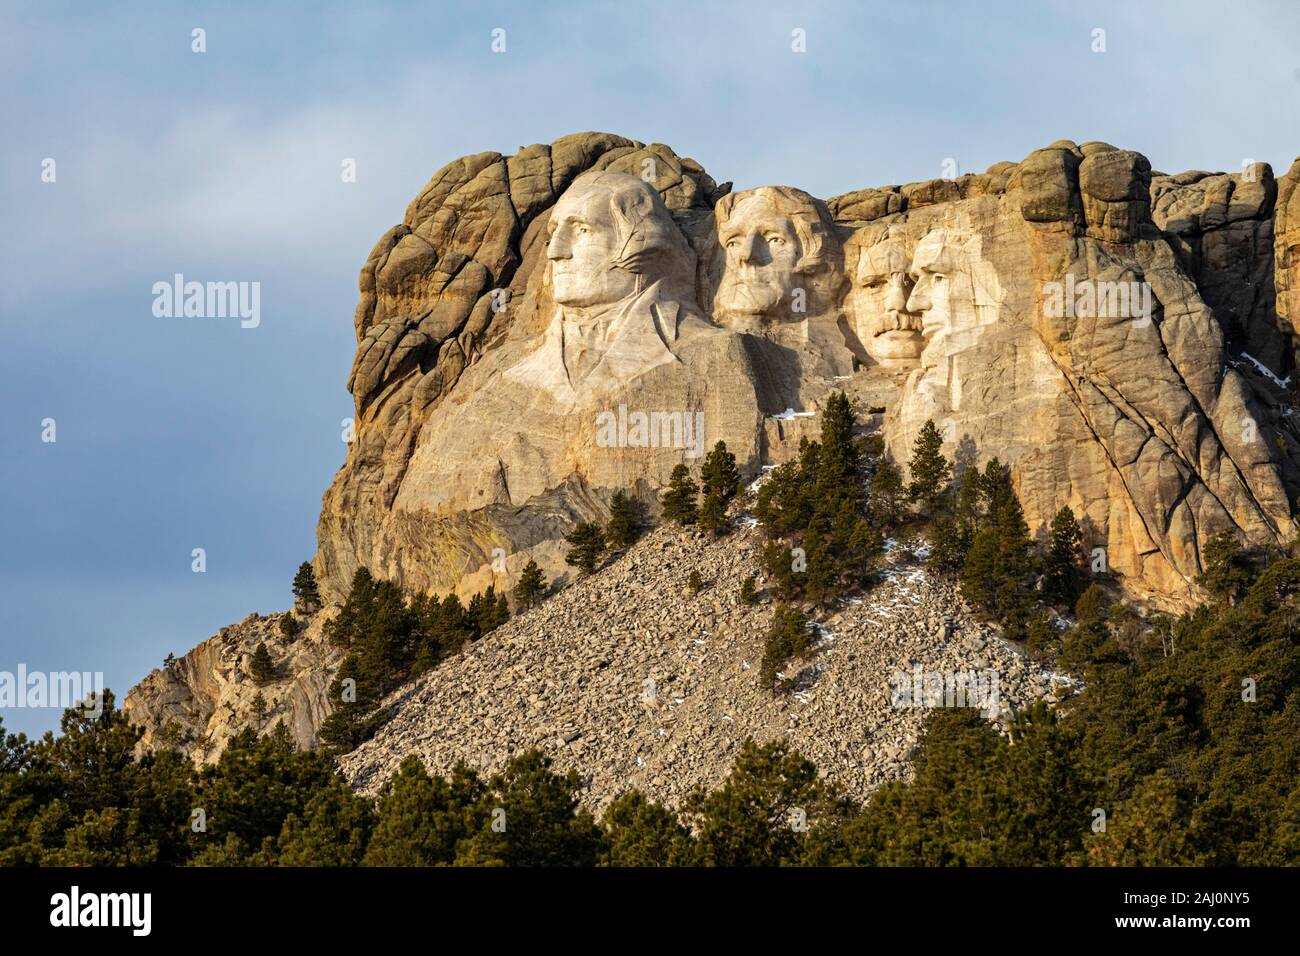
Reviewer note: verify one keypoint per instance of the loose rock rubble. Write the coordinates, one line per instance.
(633, 681)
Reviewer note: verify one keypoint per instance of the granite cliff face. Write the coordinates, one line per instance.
(545, 329)
(1118, 336)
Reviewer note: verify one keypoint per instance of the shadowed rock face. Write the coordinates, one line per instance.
(1077, 315)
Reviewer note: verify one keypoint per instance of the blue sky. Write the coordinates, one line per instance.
(180, 433)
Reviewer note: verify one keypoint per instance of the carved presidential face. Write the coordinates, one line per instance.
(774, 243)
(878, 303)
(584, 244)
(955, 289)
(610, 236)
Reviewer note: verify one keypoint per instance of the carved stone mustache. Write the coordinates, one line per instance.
(896, 320)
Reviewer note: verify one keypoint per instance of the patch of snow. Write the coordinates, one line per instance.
(790, 413)
(1265, 371)
(757, 482)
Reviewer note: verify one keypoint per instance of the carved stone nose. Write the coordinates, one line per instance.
(558, 247)
(896, 295)
(749, 248)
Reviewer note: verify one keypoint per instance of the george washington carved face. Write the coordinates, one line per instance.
(610, 236)
(779, 251)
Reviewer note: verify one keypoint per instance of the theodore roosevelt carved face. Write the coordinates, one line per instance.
(877, 303)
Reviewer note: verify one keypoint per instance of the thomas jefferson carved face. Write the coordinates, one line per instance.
(610, 237)
(774, 240)
(878, 302)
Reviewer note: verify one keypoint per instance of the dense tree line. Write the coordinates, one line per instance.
(1183, 747)
(391, 639)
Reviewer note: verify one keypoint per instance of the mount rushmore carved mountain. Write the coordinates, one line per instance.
(525, 299)
(545, 329)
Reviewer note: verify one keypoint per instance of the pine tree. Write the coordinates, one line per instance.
(487, 611)
(641, 833)
(333, 831)
(626, 521)
(953, 530)
(421, 820)
(747, 821)
(262, 668)
(748, 591)
(531, 587)
(778, 562)
(979, 571)
(535, 819)
(712, 515)
(587, 543)
(305, 593)
(259, 709)
(347, 624)
(787, 497)
(887, 492)
(679, 499)
(1226, 574)
(861, 558)
(695, 581)
(1062, 567)
(995, 487)
(929, 469)
(819, 583)
(454, 625)
(788, 637)
(719, 474)
(839, 464)
(1014, 565)
(351, 721)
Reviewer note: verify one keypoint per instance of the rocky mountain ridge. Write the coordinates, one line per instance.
(197, 702)
(477, 446)
(483, 370)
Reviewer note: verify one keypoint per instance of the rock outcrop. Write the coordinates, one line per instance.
(198, 702)
(1122, 338)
